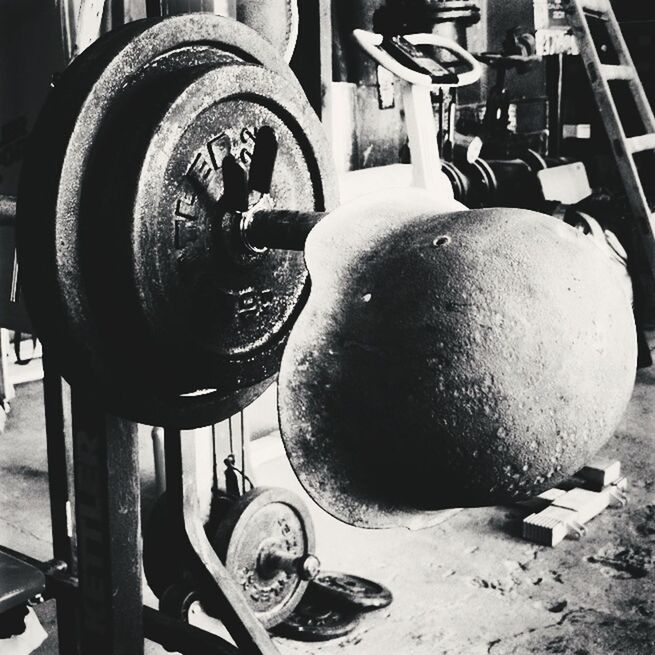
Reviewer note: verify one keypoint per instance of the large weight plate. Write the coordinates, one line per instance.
(96, 250)
(195, 287)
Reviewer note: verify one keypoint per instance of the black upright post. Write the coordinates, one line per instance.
(554, 81)
(107, 523)
(60, 481)
(312, 58)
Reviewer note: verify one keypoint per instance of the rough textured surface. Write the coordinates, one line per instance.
(469, 586)
(449, 360)
(276, 21)
(106, 109)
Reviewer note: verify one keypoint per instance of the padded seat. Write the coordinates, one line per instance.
(18, 582)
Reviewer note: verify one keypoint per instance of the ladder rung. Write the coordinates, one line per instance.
(641, 143)
(615, 72)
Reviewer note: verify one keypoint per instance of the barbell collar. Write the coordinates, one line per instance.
(272, 560)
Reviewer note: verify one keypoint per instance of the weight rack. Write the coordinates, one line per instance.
(94, 487)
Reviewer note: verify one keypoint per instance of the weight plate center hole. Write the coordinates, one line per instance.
(273, 558)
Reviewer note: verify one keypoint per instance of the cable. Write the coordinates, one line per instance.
(214, 461)
(243, 453)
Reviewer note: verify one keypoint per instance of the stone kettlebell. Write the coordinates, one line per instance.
(451, 359)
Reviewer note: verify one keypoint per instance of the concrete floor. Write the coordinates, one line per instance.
(468, 586)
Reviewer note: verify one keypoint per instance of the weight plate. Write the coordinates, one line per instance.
(275, 20)
(456, 179)
(316, 618)
(358, 593)
(482, 184)
(83, 221)
(263, 518)
(236, 307)
(534, 160)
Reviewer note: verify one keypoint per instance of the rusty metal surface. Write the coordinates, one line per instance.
(108, 543)
(319, 618)
(266, 519)
(451, 360)
(264, 538)
(83, 225)
(276, 20)
(353, 591)
(196, 286)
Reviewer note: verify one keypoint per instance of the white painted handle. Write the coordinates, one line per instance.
(371, 42)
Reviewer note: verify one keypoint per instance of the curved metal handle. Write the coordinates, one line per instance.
(370, 42)
(604, 238)
(466, 78)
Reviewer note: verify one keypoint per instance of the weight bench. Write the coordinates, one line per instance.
(19, 583)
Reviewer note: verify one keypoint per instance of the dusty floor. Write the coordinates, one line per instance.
(466, 587)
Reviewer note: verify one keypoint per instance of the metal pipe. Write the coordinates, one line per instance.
(160, 459)
(217, 7)
(278, 228)
(89, 24)
(176, 635)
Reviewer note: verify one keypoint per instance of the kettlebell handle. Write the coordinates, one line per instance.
(604, 238)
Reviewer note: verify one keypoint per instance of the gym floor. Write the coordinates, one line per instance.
(467, 586)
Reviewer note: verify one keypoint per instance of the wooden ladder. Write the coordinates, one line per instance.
(607, 60)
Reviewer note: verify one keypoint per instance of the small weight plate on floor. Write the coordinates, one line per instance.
(318, 618)
(265, 519)
(354, 591)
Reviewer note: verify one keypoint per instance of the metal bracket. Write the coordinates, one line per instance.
(209, 574)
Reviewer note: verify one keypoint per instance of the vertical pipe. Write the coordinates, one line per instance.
(68, 20)
(160, 459)
(422, 133)
(312, 60)
(89, 24)
(555, 77)
(6, 386)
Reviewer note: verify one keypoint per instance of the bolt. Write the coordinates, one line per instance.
(273, 559)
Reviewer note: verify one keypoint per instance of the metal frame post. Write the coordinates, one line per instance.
(107, 513)
(61, 486)
(209, 574)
